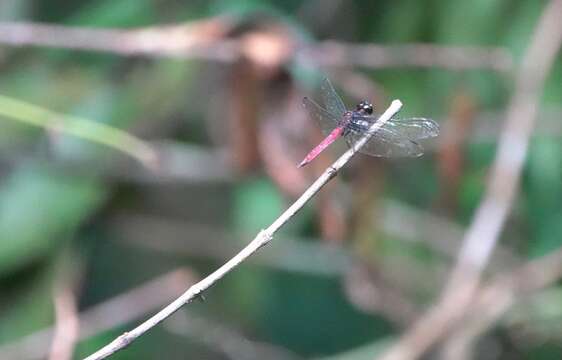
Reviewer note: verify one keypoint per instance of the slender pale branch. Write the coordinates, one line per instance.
(501, 293)
(482, 236)
(375, 56)
(67, 324)
(199, 39)
(262, 239)
(208, 40)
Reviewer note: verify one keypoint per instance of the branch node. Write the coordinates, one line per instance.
(332, 172)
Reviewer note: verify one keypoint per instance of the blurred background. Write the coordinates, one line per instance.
(143, 143)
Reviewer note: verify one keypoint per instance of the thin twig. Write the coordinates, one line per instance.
(207, 40)
(199, 39)
(66, 328)
(500, 294)
(483, 234)
(264, 237)
(332, 53)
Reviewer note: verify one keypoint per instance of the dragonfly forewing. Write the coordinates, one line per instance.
(386, 143)
(325, 120)
(396, 138)
(413, 128)
(334, 104)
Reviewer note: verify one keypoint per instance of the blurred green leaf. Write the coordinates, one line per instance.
(462, 22)
(518, 31)
(553, 86)
(13, 9)
(77, 126)
(242, 7)
(108, 13)
(365, 352)
(543, 192)
(548, 236)
(291, 299)
(38, 210)
(470, 192)
(402, 21)
(28, 307)
(257, 204)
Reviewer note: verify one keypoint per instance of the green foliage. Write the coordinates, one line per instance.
(77, 126)
(289, 300)
(107, 13)
(61, 190)
(39, 211)
(543, 193)
(257, 203)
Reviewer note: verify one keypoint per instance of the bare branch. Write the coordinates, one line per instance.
(66, 324)
(262, 239)
(331, 53)
(494, 299)
(440, 234)
(184, 40)
(482, 236)
(207, 40)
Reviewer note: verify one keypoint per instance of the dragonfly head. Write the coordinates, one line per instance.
(365, 107)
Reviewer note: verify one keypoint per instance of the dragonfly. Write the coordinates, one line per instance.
(396, 138)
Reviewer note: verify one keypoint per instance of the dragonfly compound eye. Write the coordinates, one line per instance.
(367, 107)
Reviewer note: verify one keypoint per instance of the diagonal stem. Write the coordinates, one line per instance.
(482, 237)
(262, 239)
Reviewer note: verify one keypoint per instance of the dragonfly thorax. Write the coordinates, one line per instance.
(358, 122)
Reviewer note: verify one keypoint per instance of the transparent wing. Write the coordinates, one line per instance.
(331, 99)
(326, 120)
(386, 143)
(412, 128)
